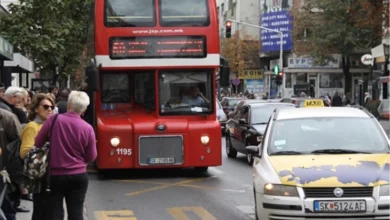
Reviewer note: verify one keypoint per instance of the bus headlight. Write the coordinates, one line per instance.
(205, 140)
(115, 142)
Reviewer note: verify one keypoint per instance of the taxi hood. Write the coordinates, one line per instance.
(333, 170)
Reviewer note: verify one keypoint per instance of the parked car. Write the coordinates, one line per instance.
(246, 101)
(247, 127)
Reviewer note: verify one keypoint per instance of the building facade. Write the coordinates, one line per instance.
(300, 74)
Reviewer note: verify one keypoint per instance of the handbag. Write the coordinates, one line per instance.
(36, 162)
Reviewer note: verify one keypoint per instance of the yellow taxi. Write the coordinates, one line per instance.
(305, 102)
(322, 163)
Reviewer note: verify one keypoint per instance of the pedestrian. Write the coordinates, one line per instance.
(72, 147)
(41, 108)
(10, 127)
(337, 101)
(12, 97)
(62, 104)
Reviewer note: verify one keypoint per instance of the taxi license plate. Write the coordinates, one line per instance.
(159, 160)
(340, 206)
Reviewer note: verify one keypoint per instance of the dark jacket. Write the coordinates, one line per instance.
(62, 106)
(18, 112)
(337, 101)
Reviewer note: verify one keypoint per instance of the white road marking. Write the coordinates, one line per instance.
(252, 216)
(216, 170)
(248, 186)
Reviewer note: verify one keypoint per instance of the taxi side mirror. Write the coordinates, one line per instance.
(253, 150)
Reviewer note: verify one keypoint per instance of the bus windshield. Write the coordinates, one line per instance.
(184, 13)
(133, 13)
(115, 88)
(184, 93)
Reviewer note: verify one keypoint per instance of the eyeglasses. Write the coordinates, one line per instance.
(47, 107)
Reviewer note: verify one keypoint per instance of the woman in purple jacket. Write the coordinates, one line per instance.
(73, 146)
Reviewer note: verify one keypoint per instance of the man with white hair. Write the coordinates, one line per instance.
(12, 97)
(75, 146)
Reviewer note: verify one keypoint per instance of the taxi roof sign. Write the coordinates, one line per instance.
(313, 103)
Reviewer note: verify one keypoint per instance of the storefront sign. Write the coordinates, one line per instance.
(301, 62)
(254, 85)
(6, 49)
(367, 59)
(251, 74)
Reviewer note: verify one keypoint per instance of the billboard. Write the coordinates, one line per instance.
(276, 15)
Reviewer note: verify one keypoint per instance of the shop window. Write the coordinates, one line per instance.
(288, 80)
(331, 80)
(301, 78)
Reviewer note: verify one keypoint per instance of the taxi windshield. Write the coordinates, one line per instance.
(310, 135)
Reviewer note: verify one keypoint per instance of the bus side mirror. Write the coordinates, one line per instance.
(92, 75)
(224, 73)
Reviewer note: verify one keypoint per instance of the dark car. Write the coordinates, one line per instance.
(247, 127)
(244, 102)
(228, 104)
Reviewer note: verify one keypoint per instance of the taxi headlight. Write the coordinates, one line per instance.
(115, 142)
(384, 190)
(205, 140)
(280, 190)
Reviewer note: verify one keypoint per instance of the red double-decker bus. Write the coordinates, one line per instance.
(154, 80)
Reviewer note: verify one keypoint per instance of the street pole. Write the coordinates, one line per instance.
(272, 30)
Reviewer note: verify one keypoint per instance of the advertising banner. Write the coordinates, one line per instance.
(254, 85)
(276, 15)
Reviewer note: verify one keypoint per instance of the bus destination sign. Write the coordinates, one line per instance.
(158, 47)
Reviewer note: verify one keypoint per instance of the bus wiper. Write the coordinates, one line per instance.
(286, 153)
(338, 151)
(261, 123)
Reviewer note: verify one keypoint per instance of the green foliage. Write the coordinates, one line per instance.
(52, 32)
(336, 27)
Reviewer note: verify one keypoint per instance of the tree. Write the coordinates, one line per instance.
(241, 52)
(336, 27)
(53, 33)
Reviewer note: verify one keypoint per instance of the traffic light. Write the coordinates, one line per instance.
(276, 69)
(228, 29)
(279, 79)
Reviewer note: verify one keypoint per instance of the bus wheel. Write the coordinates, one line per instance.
(201, 169)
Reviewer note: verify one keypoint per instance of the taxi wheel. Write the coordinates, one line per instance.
(249, 159)
(230, 151)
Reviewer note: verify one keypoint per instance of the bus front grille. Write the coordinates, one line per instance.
(160, 150)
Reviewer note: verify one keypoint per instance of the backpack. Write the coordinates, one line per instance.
(12, 161)
(36, 161)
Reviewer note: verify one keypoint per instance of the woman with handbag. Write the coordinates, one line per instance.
(72, 147)
(41, 108)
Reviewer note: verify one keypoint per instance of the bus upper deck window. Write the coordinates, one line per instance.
(184, 13)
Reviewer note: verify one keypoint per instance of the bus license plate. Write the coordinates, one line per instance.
(165, 160)
(340, 206)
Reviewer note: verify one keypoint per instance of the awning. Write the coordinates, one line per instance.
(20, 63)
(326, 70)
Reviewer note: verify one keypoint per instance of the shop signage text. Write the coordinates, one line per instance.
(301, 62)
(251, 74)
